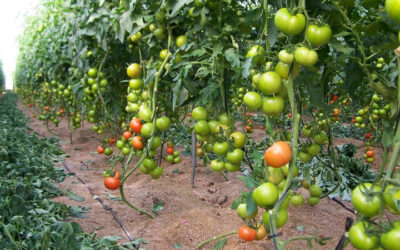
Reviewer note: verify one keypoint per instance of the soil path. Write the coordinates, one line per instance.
(190, 215)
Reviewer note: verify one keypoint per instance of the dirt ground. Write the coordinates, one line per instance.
(190, 215)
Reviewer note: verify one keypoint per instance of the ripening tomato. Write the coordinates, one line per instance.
(319, 35)
(112, 183)
(181, 40)
(239, 139)
(247, 234)
(137, 143)
(370, 153)
(134, 70)
(278, 154)
(127, 135)
(100, 149)
(288, 23)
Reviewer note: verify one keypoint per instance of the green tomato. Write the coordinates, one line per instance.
(270, 83)
(201, 128)
(320, 138)
(313, 201)
(225, 119)
(281, 218)
(92, 72)
(136, 84)
(366, 204)
(155, 142)
(145, 131)
(214, 127)
(392, 8)
(145, 114)
(199, 113)
(391, 196)
(315, 190)
(217, 165)
(231, 167)
(304, 157)
(275, 175)
(273, 105)
(305, 56)
(177, 159)
(242, 212)
(156, 173)
(149, 163)
(252, 100)
(390, 240)
(256, 52)
(359, 237)
(163, 123)
(235, 156)
(170, 158)
(297, 200)
(314, 149)
(288, 23)
(265, 195)
(120, 144)
(285, 57)
(220, 148)
(126, 150)
(283, 70)
(132, 97)
(108, 151)
(239, 139)
(319, 35)
(144, 170)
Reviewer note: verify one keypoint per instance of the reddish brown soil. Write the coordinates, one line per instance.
(191, 215)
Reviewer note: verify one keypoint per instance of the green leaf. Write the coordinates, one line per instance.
(220, 245)
(73, 196)
(113, 197)
(178, 5)
(176, 245)
(246, 68)
(251, 205)
(158, 206)
(232, 57)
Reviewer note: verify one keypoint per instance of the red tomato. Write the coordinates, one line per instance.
(127, 135)
(290, 115)
(370, 153)
(368, 135)
(246, 233)
(136, 125)
(111, 140)
(170, 150)
(47, 108)
(117, 175)
(112, 183)
(100, 149)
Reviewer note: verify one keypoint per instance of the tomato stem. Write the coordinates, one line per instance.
(221, 236)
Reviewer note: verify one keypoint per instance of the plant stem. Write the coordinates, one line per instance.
(123, 198)
(194, 159)
(295, 138)
(201, 244)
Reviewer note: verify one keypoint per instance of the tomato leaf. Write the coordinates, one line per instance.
(176, 245)
(158, 206)
(73, 196)
(220, 245)
(178, 5)
(246, 67)
(251, 205)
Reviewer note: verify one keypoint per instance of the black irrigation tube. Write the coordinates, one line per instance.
(101, 201)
